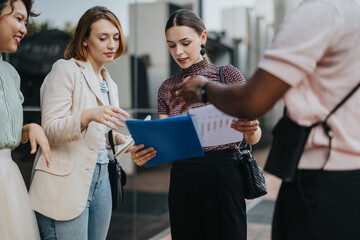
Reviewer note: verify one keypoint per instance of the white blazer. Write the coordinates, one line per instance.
(60, 192)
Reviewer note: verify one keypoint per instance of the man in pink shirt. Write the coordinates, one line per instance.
(312, 63)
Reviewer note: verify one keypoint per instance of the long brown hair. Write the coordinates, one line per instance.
(76, 49)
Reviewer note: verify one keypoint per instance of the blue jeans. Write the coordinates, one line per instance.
(93, 223)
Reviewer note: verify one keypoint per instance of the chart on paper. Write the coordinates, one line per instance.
(213, 126)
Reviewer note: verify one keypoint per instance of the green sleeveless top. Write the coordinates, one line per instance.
(11, 112)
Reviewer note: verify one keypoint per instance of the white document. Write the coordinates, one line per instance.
(148, 118)
(213, 126)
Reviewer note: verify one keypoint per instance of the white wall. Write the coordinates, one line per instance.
(150, 34)
(235, 23)
(120, 72)
(266, 9)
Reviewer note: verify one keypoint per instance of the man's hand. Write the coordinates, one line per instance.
(186, 92)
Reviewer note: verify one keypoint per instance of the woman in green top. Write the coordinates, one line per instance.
(17, 219)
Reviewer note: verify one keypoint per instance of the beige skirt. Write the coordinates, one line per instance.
(17, 219)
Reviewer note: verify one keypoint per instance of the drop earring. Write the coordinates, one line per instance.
(202, 50)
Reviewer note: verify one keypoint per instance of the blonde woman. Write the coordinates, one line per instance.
(79, 103)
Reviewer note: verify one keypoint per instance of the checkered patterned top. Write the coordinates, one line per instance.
(231, 75)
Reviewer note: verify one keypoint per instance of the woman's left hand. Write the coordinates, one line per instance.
(140, 156)
(36, 136)
(246, 127)
(250, 129)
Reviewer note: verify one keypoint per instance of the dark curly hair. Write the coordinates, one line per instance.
(28, 5)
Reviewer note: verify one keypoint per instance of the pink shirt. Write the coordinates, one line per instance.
(317, 51)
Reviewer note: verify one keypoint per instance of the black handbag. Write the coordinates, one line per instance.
(117, 176)
(289, 139)
(252, 175)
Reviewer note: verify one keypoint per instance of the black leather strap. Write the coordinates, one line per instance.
(111, 141)
(343, 101)
(110, 134)
(326, 126)
(222, 79)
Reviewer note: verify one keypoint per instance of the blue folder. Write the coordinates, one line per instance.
(173, 138)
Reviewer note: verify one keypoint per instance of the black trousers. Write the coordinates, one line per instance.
(319, 205)
(206, 199)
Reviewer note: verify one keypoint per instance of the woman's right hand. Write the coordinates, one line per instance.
(104, 115)
(140, 156)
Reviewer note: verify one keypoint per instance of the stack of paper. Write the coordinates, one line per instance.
(213, 126)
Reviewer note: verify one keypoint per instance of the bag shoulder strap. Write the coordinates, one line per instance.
(327, 127)
(110, 134)
(336, 107)
(343, 101)
(222, 79)
(111, 141)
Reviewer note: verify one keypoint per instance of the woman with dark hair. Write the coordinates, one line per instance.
(79, 103)
(17, 219)
(206, 196)
(313, 64)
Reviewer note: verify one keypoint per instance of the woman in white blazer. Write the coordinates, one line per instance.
(79, 104)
